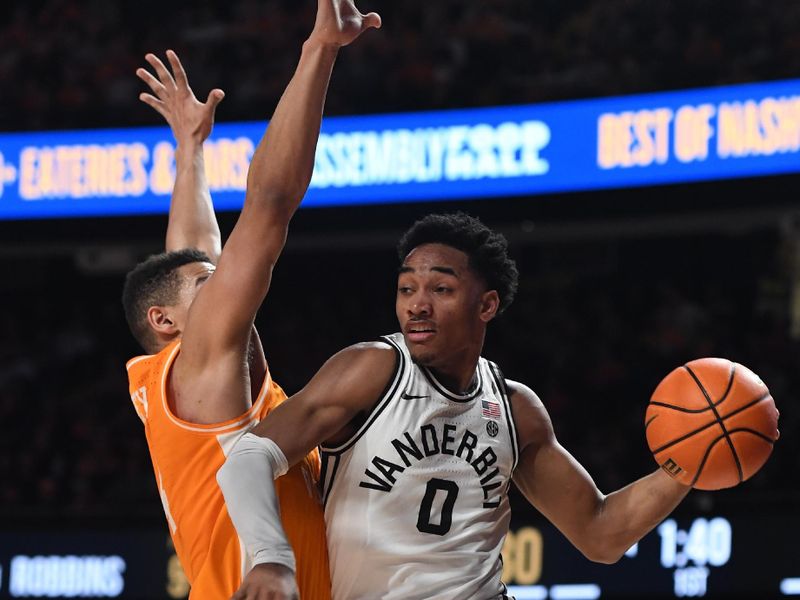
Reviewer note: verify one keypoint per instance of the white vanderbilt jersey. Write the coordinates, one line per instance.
(416, 502)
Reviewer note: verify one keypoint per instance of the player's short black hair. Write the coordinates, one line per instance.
(487, 250)
(154, 282)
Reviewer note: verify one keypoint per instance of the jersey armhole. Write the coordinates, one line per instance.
(502, 388)
(389, 392)
(243, 421)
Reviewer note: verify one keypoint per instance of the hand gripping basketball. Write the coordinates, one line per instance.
(711, 423)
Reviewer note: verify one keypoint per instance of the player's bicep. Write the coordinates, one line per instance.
(550, 477)
(558, 486)
(348, 384)
(302, 423)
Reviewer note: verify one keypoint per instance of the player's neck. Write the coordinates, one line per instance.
(460, 386)
(458, 377)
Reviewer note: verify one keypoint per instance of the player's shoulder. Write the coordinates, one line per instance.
(355, 376)
(521, 394)
(365, 361)
(530, 415)
(373, 351)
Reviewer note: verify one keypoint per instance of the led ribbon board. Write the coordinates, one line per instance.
(703, 134)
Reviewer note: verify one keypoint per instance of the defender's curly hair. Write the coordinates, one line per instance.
(154, 282)
(487, 250)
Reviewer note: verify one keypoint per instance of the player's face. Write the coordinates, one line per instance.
(193, 276)
(441, 305)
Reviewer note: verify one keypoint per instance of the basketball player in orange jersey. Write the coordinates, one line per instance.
(205, 380)
(421, 438)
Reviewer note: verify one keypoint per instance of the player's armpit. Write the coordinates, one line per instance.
(348, 384)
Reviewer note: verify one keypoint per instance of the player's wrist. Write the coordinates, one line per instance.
(279, 561)
(275, 568)
(188, 148)
(672, 484)
(317, 44)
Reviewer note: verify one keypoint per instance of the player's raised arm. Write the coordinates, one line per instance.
(279, 175)
(192, 223)
(601, 526)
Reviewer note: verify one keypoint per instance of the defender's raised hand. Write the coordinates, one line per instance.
(191, 120)
(339, 22)
(192, 223)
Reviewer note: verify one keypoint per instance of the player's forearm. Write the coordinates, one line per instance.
(246, 480)
(283, 162)
(192, 223)
(628, 514)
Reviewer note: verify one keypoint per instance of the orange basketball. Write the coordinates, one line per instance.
(711, 423)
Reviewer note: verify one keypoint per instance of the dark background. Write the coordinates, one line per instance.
(617, 287)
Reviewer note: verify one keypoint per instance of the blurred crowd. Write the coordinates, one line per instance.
(71, 63)
(67, 442)
(593, 330)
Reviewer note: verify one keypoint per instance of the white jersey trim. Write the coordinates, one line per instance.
(328, 474)
(502, 389)
(137, 359)
(468, 397)
(246, 418)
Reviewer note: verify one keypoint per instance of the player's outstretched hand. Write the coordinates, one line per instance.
(191, 120)
(268, 582)
(339, 22)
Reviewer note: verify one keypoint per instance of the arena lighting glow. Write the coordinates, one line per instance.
(673, 137)
(528, 592)
(582, 591)
(790, 586)
(67, 576)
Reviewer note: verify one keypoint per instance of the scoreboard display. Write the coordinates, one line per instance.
(748, 130)
(751, 556)
(686, 556)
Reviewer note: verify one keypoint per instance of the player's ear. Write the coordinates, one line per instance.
(490, 303)
(161, 320)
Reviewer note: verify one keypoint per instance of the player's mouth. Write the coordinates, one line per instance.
(419, 332)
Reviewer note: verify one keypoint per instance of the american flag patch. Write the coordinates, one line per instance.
(490, 410)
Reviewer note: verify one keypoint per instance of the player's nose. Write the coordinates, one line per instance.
(419, 305)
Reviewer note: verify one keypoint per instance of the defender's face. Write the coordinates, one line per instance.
(439, 305)
(192, 276)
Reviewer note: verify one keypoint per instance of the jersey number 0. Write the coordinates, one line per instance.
(424, 519)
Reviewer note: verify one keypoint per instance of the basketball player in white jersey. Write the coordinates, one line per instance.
(422, 438)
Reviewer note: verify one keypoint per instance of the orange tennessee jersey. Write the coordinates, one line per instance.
(186, 457)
